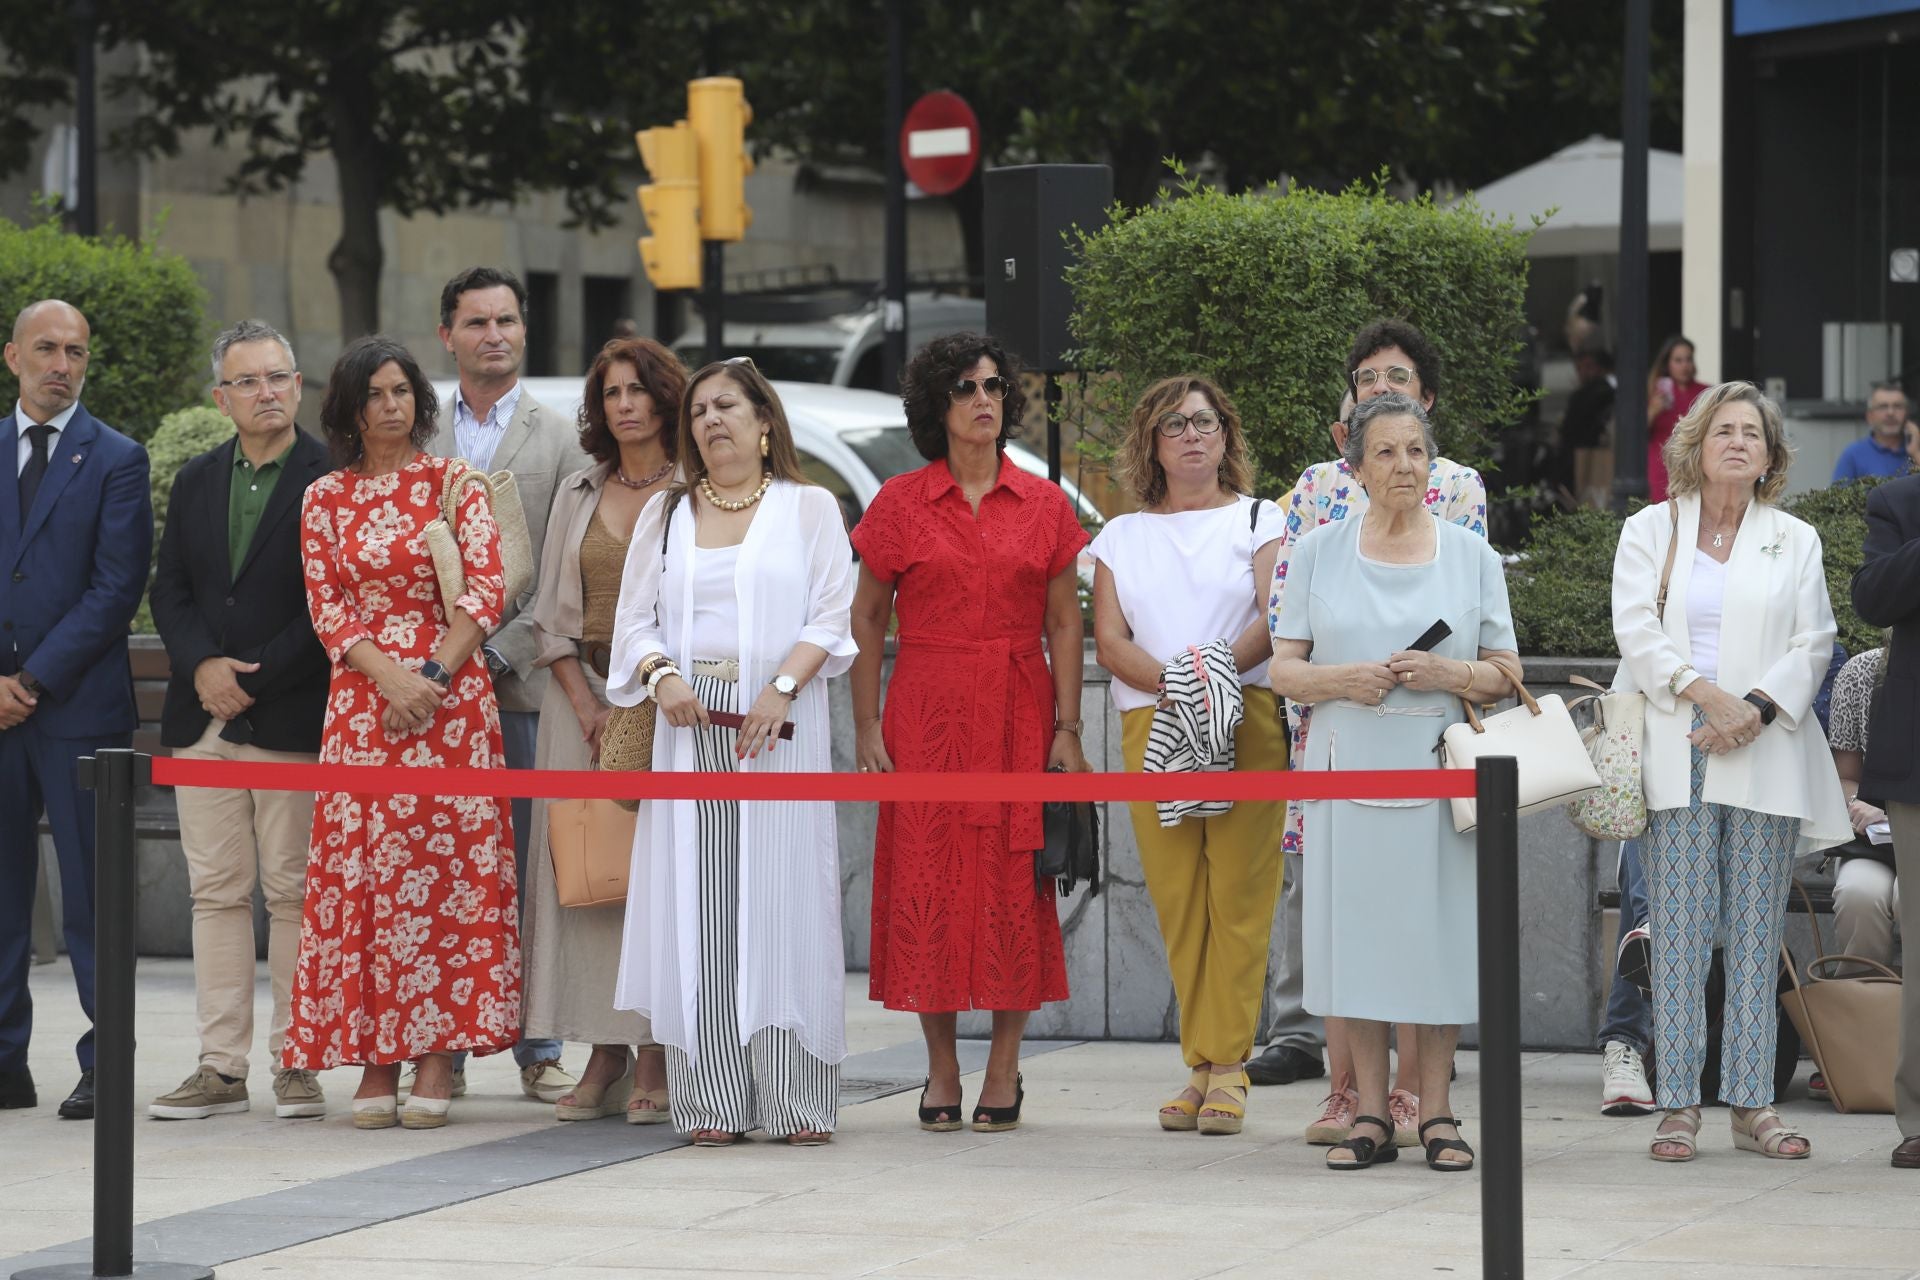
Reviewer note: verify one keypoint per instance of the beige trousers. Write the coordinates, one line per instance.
(233, 839)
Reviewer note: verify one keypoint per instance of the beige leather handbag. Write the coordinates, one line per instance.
(1539, 734)
(591, 845)
(509, 517)
(1849, 1020)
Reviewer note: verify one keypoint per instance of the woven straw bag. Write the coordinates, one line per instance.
(626, 743)
(509, 517)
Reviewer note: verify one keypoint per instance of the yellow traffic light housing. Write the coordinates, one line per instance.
(671, 203)
(717, 108)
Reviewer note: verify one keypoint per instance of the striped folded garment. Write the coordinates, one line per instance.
(1192, 731)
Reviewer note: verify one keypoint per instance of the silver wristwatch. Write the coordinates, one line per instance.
(786, 686)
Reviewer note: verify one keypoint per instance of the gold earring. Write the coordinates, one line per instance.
(766, 448)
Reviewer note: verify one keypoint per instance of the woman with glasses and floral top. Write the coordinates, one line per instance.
(1190, 567)
(978, 558)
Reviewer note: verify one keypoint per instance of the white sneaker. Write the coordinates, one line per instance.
(1623, 1083)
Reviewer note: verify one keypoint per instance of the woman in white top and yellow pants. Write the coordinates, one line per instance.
(1737, 772)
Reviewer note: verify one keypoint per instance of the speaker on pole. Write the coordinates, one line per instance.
(1029, 208)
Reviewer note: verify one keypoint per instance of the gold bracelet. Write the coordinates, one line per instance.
(1466, 688)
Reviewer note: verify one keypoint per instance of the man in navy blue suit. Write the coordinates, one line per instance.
(76, 536)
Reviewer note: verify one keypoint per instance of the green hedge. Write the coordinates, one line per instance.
(1263, 292)
(1562, 587)
(144, 304)
(182, 435)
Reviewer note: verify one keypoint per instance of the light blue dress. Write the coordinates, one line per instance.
(1389, 923)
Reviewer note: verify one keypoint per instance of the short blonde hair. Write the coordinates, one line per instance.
(1139, 465)
(1682, 452)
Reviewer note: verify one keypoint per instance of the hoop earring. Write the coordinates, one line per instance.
(766, 447)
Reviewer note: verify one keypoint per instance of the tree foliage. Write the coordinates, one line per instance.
(1263, 293)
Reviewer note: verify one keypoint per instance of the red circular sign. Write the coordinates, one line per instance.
(940, 143)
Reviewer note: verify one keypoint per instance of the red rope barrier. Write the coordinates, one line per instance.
(387, 780)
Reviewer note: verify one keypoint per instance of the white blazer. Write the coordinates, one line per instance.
(1776, 635)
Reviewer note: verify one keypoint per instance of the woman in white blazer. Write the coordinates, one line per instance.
(1737, 771)
(736, 600)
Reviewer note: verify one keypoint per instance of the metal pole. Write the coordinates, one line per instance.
(86, 205)
(893, 352)
(1631, 354)
(713, 296)
(1053, 427)
(1497, 785)
(113, 774)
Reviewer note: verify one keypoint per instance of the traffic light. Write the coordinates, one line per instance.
(717, 108)
(671, 202)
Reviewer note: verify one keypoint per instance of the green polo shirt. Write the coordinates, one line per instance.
(247, 498)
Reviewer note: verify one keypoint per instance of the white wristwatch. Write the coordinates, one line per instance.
(786, 686)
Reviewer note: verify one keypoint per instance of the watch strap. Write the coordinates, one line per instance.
(437, 673)
(1767, 709)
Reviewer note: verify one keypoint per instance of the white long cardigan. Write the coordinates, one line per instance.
(1776, 635)
(794, 583)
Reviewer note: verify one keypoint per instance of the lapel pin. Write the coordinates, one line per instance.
(76, 459)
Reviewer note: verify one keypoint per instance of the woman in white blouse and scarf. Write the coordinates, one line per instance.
(1737, 772)
(735, 599)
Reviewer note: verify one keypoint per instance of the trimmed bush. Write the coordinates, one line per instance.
(144, 304)
(182, 435)
(1562, 587)
(1263, 293)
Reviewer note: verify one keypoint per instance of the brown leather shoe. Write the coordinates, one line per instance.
(1907, 1154)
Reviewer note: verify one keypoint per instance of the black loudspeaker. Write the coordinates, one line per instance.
(1029, 207)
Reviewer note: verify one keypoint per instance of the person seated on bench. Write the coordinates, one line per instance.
(1866, 895)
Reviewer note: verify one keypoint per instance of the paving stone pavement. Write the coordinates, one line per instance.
(1088, 1187)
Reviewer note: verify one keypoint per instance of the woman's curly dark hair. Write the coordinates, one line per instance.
(347, 397)
(664, 377)
(931, 373)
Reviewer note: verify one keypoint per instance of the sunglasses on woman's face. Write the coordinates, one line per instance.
(962, 391)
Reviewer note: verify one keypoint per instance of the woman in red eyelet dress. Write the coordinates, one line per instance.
(409, 940)
(978, 559)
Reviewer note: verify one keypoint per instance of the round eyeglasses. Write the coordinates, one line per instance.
(1398, 376)
(1174, 424)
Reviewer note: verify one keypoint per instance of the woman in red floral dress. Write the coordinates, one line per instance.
(409, 945)
(979, 558)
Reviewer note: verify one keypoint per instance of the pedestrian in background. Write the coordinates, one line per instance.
(978, 558)
(628, 426)
(248, 683)
(1738, 775)
(735, 601)
(1883, 450)
(1673, 384)
(409, 942)
(1391, 925)
(1192, 567)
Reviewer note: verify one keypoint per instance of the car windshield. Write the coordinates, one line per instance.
(887, 451)
(782, 364)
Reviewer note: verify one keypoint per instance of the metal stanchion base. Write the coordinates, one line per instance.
(141, 1271)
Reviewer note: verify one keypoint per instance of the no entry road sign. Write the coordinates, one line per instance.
(940, 143)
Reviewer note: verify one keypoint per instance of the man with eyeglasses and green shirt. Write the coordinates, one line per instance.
(248, 683)
(1387, 356)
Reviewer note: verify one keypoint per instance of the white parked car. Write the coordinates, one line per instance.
(827, 337)
(851, 442)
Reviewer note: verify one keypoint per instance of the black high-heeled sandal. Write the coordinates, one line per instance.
(1437, 1145)
(930, 1117)
(1001, 1119)
(1367, 1152)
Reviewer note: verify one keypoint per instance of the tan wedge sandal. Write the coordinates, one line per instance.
(1686, 1136)
(1750, 1133)
(1234, 1085)
(647, 1106)
(1180, 1114)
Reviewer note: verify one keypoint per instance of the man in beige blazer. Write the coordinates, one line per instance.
(496, 425)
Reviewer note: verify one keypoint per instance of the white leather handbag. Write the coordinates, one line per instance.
(1540, 736)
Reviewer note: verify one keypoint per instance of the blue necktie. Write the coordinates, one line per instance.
(36, 468)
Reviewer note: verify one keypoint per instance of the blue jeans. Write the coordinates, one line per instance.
(518, 731)
(1629, 1021)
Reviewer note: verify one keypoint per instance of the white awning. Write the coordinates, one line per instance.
(1582, 182)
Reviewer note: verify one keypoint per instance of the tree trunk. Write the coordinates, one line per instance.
(357, 258)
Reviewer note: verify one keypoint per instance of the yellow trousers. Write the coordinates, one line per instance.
(1215, 882)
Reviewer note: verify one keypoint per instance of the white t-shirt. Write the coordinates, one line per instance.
(1186, 578)
(716, 610)
(1706, 595)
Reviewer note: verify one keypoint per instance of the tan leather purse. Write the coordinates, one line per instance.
(509, 517)
(591, 845)
(1849, 1020)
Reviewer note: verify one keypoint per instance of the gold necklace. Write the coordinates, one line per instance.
(732, 504)
(655, 478)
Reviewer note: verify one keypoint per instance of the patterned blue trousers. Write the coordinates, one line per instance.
(1714, 870)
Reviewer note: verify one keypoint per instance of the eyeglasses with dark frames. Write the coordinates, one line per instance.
(963, 390)
(1174, 424)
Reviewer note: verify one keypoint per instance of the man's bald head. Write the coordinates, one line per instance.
(49, 355)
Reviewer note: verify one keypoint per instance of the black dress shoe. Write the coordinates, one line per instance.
(79, 1103)
(16, 1090)
(1284, 1064)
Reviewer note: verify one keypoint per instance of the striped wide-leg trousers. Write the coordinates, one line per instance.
(770, 1082)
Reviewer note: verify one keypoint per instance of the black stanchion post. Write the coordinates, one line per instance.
(113, 774)
(1497, 782)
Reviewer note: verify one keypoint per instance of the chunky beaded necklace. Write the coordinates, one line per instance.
(732, 504)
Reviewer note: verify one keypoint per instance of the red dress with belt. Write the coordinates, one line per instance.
(958, 920)
(1684, 394)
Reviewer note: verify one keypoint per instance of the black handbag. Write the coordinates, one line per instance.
(1071, 854)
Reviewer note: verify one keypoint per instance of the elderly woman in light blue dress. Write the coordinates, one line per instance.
(1389, 924)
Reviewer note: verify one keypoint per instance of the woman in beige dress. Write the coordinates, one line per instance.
(573, 954)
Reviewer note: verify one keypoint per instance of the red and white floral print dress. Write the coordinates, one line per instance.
(409, 941)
